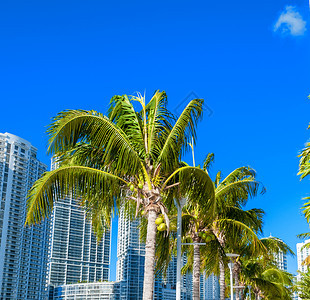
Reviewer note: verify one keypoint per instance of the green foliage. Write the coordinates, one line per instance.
(261, 272)
(302, 286)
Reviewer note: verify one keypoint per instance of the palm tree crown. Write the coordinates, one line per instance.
(127, 158)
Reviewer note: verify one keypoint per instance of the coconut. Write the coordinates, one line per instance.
(162, 227)
(159, 220)
(208, 238)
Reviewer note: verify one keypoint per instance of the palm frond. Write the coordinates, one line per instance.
(184, 129)
(85, 183)
(159, 123)
(240, 190)
(306, 209)
(122, 113)
(276, 245)
(73, 126)
(304, 166)
(240, 233)
(304, 235)
(195, 185)
(252, 217)
(208, 162)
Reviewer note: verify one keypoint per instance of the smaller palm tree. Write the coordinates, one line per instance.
(231, 222)
(261, 270)
(267, 280)
(218, 225)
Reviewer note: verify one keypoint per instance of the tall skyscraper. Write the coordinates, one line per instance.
(22, 249)
(74, 252)
(302, 253)
(130, 259)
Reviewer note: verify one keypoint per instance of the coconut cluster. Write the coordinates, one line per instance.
(161, 225)
(206, 236)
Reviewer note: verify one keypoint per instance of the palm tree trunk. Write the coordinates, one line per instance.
(196, 273)
(237, 291)
(236, 278)
(242, 295)
(148, 284)
(222, 280)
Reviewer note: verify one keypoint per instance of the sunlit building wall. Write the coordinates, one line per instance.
(23, 250)
(302, 254)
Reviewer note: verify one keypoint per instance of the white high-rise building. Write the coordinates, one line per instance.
(302, 254)
(22, 249)
(281, 260)
(75, 256)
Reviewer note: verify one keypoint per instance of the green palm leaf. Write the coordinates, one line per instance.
(176, 142)
(70, 127)
(85, 182)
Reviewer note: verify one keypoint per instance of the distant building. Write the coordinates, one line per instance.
(302, 254)
(210, 287)
(281, 260)
(130, 259)
(74, 252)
(22, 249)
(88, 291)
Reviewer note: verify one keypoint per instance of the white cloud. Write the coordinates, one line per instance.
(290, 22)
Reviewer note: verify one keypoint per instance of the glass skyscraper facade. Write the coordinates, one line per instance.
(130, 259)
(209, 287)
(23, 250)
(74, 252)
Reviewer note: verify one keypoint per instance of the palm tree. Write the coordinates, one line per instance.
(226, 222)
(252, 268)
(128, 157)
(267, 280)
(232, 223)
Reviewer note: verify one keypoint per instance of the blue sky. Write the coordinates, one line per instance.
(249, 60)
